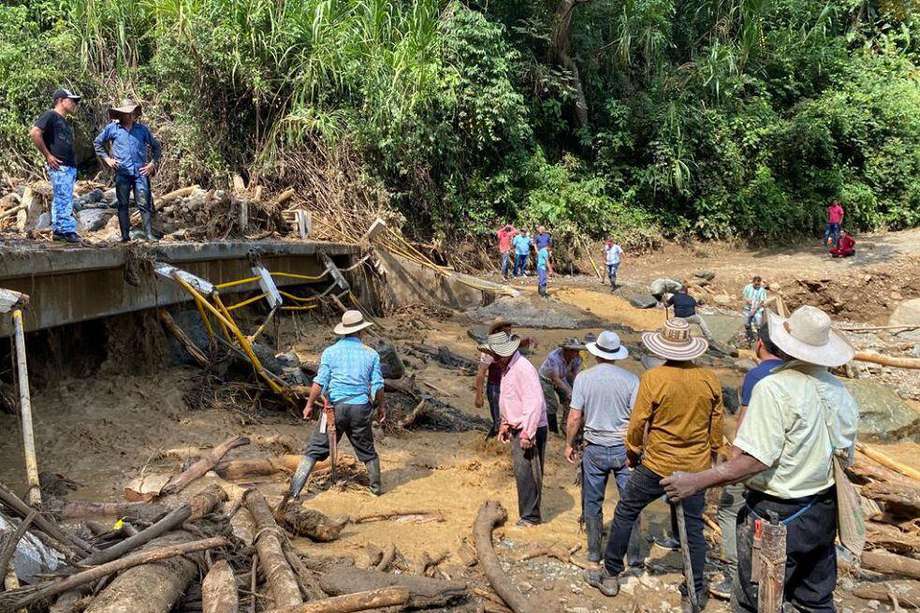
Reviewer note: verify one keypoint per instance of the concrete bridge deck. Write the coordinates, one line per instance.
(69, 285)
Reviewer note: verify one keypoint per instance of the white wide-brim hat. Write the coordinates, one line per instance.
(674, 342)
(608, 346)
(501, 344)
(352, 321)
(808, 335)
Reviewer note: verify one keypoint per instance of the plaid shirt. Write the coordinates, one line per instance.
(349, 371)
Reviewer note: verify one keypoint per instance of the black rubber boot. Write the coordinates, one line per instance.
(124, 224)
(299, 480)
(607, 584)
(594, 527)
(373, 475)
(148, 225)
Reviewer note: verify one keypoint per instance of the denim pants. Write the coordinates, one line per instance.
(542, 275)
(612, 273)
(730, 504)
(597, 464)
(811, 557)
(642, 489)
(520, 264)
(832, 230)
(352, 420)
(528, 474)
(62, 182)
(506, 263)
(123, 187)
(752, 318)
(492, 393)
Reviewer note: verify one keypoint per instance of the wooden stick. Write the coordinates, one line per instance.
(13, 211)
(874, 328)
(887, 462)
(206, 463)
(253, 581)
(25, 407)
(70, 542)
(884, 360)
(685, 554)
(218, 590)
(183, 339)
(490, 515)
(182, 192)
(891, 564)
(394, 596)
(906, 590)
(32, 594)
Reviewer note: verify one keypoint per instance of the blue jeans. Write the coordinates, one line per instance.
(520, 264)
(597, 463)
(506, 263)
(62, 182)
(612, 273)
(832, 230)
(542, 275)
(123, 186)
(493, 390)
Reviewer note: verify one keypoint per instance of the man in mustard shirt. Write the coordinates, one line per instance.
(679, 405)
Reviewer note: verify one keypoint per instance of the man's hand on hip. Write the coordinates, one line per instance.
(53, 162)
(112, 163)
(632, 458)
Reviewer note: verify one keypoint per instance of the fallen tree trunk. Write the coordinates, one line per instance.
(130, 511)
(884, 460)
(205, 501)
(884, 360)
(891, 564)
(170, 324)
(424, 593)
(490, 515)
(206, 463)
(44, 591)
(278, 574)
(889, 537)
(311, 524)
(864, 470)
(898, 498)
(360, 601)
(236, 470)
(218, 590)
(154, 587)
(71, 543)
(906, 591)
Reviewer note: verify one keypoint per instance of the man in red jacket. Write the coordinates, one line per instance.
(846, 246)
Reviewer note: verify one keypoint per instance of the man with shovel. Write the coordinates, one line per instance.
(679, 404)
(349, 377)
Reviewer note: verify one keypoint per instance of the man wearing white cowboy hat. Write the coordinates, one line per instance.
(523, 415)
(798, 420)
(349, 376)
(676, 423)
(602, 400)
(128, 157)
(557, 374)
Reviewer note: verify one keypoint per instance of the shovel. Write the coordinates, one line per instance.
(328, 426)
(685, 553)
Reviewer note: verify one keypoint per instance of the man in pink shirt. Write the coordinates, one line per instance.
(505, 237)
(523, 415)
(834, 220)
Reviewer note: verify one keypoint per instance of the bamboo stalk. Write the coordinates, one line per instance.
(887, 462)
(25, 407)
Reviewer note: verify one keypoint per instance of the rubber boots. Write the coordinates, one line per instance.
(373, 475)
(148, 225)
(594, 527)
(300, 477)
(124, 224)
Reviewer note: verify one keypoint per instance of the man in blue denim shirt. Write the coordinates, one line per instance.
(53, 137)
(128, 157)
(602, 400)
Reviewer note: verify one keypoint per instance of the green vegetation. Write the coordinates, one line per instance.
(708, 118)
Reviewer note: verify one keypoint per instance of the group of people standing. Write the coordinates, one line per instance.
(838, 241)
(125, 145)
(516, 246)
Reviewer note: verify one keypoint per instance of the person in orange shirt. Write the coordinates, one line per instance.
(505, 237)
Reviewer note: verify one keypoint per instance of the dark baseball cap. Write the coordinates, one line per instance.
(64, 93)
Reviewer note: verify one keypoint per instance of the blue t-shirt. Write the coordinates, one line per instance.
(753, 376)
(521, 244)
(543, 240)
(543, 258)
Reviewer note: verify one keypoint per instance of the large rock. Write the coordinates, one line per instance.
(882, 414)
(44, 222)
(390, 364)
(906, 314)
(643, 301)
(708, 275)
(91, 220)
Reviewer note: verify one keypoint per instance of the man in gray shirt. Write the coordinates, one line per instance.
(602, 400)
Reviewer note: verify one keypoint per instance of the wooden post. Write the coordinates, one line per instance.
(244, 214)
(304, 221)
(685, 555)
(773, 568)
(34, 497)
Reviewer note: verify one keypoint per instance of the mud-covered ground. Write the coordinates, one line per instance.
(102, 430)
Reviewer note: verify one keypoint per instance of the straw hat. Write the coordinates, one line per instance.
(352, 321)
(126, 107)
(673, 341)
(501, 344)
(608, 346)
(807, 335)
(572, 344)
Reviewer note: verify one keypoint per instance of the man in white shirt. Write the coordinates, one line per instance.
(613, 255)
(799, 418)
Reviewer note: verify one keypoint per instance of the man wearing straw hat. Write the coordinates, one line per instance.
(676, 423)
(128, 157)
(523, 415)
(490, 374)
(602, 400)
(799, 420)
(349, 376)
(557, 374)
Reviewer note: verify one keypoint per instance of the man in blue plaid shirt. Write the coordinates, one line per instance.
(350, 377)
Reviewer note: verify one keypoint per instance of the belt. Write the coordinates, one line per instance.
(808, 501)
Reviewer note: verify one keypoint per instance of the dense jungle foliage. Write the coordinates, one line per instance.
(707, 118)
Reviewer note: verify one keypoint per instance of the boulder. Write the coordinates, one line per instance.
(883, 415)
(390, 364)
(44, 222)
(722, 299)
(730, 398)
(708, 275)
(906, 314)
(91, 220)
(643, 301)
(88, 199)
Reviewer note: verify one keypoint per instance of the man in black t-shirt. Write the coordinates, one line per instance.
(53, 137)
(685, 307)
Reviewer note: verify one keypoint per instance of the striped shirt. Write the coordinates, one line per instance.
(349, 372)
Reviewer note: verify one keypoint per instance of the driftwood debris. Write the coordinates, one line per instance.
(206, 463)
(492, 514)
(906, 592)
(891, 564)
(898, 497)
(359, 601)
(237, 470)
(892, 538)
(424, 592)
(421, 516)
(71, 543)
(130, 511)
(268, 541)
(447, 357)
(218, 590)
(170, 324)
(876, 455)
(44, 591)
(885, 360)
(311, 524)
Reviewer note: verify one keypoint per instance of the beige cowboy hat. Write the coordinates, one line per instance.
(352, 321)
(573, 344)
(126, 107)
(807, 335)
(608, 346)
(501, 344)
(674, 342)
